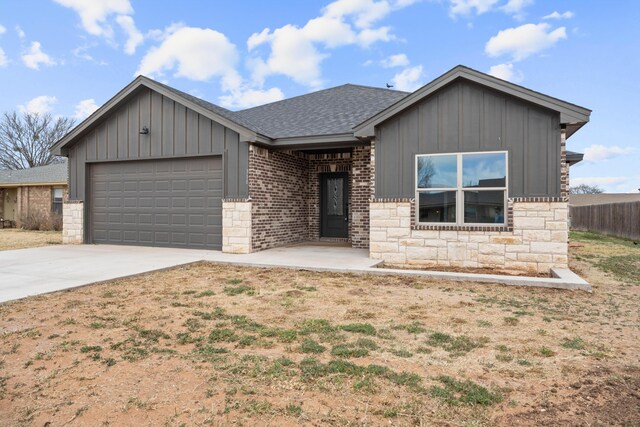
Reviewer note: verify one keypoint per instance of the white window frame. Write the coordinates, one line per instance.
(460, 190)
(53, 198)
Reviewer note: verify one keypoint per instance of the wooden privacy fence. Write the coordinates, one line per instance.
(613, 219)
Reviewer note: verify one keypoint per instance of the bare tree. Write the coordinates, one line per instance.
(426, 171)
(25, 139)
(585, 189)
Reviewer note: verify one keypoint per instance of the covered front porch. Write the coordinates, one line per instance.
(319, 195)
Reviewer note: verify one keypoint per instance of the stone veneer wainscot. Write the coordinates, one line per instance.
(536, 241)
(72, 222)
(236, 226)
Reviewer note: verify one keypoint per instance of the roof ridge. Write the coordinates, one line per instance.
(319, 91)
(375, 87)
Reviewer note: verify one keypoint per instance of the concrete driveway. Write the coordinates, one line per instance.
(26, 272)
(35, 271)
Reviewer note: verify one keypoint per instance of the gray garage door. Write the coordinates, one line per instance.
(176, 203)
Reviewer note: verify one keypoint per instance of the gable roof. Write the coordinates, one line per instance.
(326, 112)
(221, 115)
(336, 115)
(571, 115)
(213, 108)
(55, 173)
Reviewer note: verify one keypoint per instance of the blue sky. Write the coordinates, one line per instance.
(69, 56)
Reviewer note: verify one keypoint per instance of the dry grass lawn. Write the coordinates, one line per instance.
(17, 238)
(217, 345)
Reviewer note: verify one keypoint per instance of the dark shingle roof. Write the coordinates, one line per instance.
(326, 112)
(227, 114)
(54, 174)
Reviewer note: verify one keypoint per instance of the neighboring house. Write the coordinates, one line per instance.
(37, 191)
(602, 199)
(467, 171)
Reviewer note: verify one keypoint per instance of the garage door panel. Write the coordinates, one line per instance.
(175, 203)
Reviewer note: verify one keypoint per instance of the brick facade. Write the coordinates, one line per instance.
(279, 192)
(361, 194)
(34, 200)
(284, 187)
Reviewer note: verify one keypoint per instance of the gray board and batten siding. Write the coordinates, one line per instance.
(113, 154)
(175, 131)
(467, 117)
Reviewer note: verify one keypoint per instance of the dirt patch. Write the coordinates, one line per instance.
(213, 344)
(470, 270)
(16, 238)
(603, 398)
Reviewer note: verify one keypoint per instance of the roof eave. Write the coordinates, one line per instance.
(32, 184)
(339, 140)
(573, 157)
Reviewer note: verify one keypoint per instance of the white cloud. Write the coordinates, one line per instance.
(38, 105)
(19, 32)
(95, 16)
(94, 13)
(256, 39)
(399, 60)
(479, 7)
(3, 59)
(364, 12)
(597, 153)
(194, 53)
(466, 7)
(246, 98)
(506, 72)
(292, 55)
(516, 8)
(369, 36)
(84, 108)
(524, 41)
(3, 29)
(135, 37)
(408, 79)
(557, 15)
(295, 51)
(36, 57)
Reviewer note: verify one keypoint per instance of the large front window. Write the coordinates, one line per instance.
(461, 188)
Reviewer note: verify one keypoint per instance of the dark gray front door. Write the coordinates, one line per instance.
(334, 198)
(175, 203)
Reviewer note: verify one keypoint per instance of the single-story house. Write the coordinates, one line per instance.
(467, 171)
(37, 191)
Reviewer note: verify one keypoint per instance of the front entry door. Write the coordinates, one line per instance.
(334, 197)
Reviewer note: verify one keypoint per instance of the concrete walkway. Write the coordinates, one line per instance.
(27, 272)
